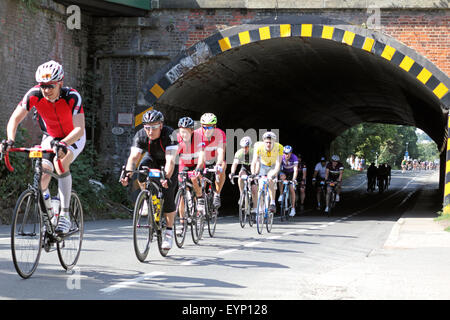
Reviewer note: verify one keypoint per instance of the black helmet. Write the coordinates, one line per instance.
(152, 116)
(186, 122)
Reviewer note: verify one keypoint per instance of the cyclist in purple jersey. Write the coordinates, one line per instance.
(289, 171)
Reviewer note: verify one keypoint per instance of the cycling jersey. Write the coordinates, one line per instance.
(287, 166)
(55, 118)
(320, 170)
(334, 172)
(156, 148)
(189, 152)
(268, 158)
(244, 159)
(218, 139)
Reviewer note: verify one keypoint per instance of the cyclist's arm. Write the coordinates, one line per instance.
(234, 166)
(78, 129)
(169, 167)
(201, 160)
(220, 155)
(294, 176)
(327, 172)
(16, 118)
(341, 172)
(133, 159)
(254, 163)
(304, 174)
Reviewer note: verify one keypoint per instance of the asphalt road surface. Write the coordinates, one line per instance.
(309, 257)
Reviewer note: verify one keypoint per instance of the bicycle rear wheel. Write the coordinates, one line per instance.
(26, 234)
(181, 216)
(142, 225)
(269, 217)
(70, 248)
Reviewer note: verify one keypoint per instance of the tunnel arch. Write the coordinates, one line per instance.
(426, 86)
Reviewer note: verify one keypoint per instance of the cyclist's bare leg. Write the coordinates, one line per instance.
(255, 195)
(291, 190)
(197, 188)
(170, 217)
(272, 190)
(222, 177)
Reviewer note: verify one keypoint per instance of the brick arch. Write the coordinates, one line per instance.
(371, 41)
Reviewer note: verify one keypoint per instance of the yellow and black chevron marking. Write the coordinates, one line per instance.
(219, 44)
(446, 209)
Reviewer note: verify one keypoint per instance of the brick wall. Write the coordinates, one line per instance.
(28, 39)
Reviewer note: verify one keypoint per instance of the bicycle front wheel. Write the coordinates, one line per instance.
(269, 216)
(242, 211)
(181, 216)
(260, 211)
(69, 249)
(26, 234)
(211, 217)
(142, 225)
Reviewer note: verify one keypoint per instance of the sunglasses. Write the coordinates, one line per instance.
(208, 128)
(154, 127)
(47, 86)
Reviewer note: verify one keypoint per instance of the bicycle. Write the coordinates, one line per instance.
(322, 194)
(211, 213)
(148, 222)
(245, 201)
(32, 228)
(188, 216)
(332, 201)
(263, 214)
(286, 201)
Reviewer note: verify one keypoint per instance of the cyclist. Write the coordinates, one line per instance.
(214, 142)
(334, 172)
(157, 141)
(60, 115)
(244, 157)
(191, 155)
(382, 176)
(267, 157)
(371, 177)
(389, 174)
(318, 177)
(289, 171)
(404, 162)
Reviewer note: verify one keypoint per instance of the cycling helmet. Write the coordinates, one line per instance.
(208, 118)
(335, 158)
(152, 116)
(287, 149)
(269, 135)
(246, 142)
(50, 71)
(186, 122)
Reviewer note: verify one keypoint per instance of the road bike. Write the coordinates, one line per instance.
(211, 212)
(286, 202)
(32, 228)
(148, 220)
(186, 212)
(245, 201)
(332, 194)
(322, 194)
(263, 214)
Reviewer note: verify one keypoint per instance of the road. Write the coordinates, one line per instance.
(311, 257)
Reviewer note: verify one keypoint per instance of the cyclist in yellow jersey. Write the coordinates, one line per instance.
(267, 157)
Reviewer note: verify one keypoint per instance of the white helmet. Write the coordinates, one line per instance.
(335, 158)
(269, 135)
(50, 71)
(246, 142)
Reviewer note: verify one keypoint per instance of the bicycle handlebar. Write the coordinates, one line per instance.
(33, 149)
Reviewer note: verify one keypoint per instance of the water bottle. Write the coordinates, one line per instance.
(189, 199)
(157, 205)
(48, 203)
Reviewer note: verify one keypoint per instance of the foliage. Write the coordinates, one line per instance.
(13, 183)
(387, 142)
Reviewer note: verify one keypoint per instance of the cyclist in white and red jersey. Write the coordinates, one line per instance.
(61, 118)
(191, 155)
(214, 143)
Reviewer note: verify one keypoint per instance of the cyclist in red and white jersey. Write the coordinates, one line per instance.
(191, 155)
(214, 143)
(61, 118)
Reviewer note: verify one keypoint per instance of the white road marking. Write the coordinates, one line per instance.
(274, 237)
(252, 244)
(125, 284)
(221, 253)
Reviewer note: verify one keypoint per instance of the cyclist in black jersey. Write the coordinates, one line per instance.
(160, 146)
